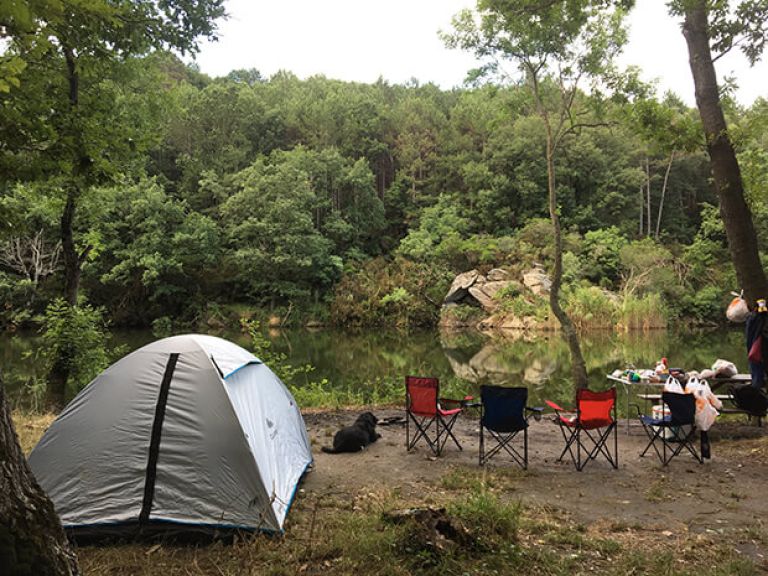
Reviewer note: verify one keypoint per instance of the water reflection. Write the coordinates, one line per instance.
(355, 360)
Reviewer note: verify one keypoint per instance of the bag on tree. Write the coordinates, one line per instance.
(737, 311)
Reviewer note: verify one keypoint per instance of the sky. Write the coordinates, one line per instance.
(362, 40)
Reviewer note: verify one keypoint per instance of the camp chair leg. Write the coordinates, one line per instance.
(504, 442)
(446, 432)
(442, 432)
(525, 448)
(579, 452)
(667, 453)
(599, 445)
(422, 431)
(570, 439)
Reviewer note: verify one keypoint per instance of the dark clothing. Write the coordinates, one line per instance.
(757, 325)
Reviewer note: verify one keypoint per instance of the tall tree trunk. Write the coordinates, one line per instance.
(742, 240)
(32, 541)
(578, 365)
(72, 263)
(664, 192)
(648, 195)
(642, 210)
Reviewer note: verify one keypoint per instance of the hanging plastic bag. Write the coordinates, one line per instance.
(672, 385)
(737, 310)
(707, 403)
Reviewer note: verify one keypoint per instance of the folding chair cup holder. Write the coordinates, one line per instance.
(674, 429)
(588, 429)
(504, 415)
(426, 417)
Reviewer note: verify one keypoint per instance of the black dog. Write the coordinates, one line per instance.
(356, 437)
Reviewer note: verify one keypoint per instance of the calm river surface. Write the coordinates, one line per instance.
(463, 359)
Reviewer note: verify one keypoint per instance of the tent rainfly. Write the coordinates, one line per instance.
(187, 432)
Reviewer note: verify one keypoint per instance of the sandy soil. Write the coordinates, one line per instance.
(726, 493)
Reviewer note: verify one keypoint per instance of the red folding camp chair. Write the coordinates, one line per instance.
(587, 431)
(424, 409)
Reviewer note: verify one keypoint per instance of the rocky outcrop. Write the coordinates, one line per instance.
(472, 289)
(537, 281)
(485, 293)
(459, 289)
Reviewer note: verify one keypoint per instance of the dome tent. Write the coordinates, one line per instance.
(190, 430)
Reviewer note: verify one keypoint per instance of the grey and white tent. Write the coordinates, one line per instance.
(189, 430)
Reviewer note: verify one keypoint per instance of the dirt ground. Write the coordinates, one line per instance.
(725, 494)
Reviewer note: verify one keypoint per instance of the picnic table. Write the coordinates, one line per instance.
(714, 384)
(628, 386)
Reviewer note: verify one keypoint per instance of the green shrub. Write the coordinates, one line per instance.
(706, 305)
(492, 520)
(522, 306)
(399, 292)
(590, 307)
(600, 255)
(73, 345)
(162, 327)
(645, 312)
(277, 361)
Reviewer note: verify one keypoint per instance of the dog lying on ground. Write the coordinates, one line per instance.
(355, 437)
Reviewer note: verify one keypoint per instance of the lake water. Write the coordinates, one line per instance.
(464, 360)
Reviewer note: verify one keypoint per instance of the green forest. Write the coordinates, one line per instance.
(194, 201)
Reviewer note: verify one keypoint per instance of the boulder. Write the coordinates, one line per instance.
(485, 293)
(459, 288)
(497, 275)
(537, 281)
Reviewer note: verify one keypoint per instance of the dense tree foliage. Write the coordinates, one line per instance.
(354, 200)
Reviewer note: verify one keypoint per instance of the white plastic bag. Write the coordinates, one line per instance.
(672, 385)
(707, 403)
(724, 368)
(737, 310)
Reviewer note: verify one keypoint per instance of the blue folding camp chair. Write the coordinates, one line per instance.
(503, 415)
(675, 431)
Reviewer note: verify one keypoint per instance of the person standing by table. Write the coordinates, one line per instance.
(757, 352)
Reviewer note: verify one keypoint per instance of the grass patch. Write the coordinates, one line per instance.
(347, 534)
(590, 308)
(642, 313)
(30, 427)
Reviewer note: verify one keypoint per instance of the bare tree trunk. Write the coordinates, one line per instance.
(73, 261)
(642, 210)
(32, 541)
(578, 365)
(739, 228)
(72, 264)
(664, 192)
(648, 195)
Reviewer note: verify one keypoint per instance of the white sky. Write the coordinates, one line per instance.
(360, 40)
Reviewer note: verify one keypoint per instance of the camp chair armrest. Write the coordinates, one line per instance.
(536, 412)
(555, 407)
(453, 401)
(637, 408)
